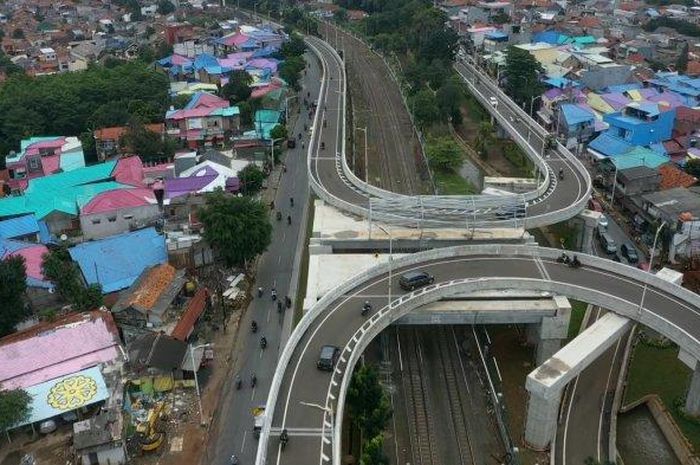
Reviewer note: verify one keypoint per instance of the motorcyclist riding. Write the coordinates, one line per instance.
(291, 201)
(254, 326)
(366, 307)
(289, 219)
(263, 342)
(284, 437)
(253, 380)
(234, 460)
(274, 294)
(238, 381)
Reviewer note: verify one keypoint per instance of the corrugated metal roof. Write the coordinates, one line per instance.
(117, 261)
(18, 227)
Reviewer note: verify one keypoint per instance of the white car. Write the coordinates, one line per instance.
(493, 101)
(603, 222)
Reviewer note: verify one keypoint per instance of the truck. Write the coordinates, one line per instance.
(258, 420)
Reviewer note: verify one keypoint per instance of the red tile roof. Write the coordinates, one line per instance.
(115, 133)
(189, 318)
(672, 176)
(693, 68)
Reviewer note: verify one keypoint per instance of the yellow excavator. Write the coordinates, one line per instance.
(151, 438)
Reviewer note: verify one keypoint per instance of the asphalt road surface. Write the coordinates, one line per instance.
(235, 431)
(304, 386)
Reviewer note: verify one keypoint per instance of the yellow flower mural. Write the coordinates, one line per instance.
(72, 392)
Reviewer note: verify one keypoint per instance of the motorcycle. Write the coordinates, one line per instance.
(279, 306)
(366, 308)
(289, 219)
(254, 326)
(234, 460)
(288, 302)
(575, 263)
(561, 173)
(323, 145)
(563, 258)
(263, 342)
(284, 438)
(291, 201)
(274, 295)
(279, 216)
(260, 292)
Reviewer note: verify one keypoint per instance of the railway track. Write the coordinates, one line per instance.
(388, 123)
(422, 431)
(449, 351)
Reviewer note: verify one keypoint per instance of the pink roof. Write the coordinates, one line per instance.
(207, 100)
(129, 170)
(180, 60)
(33, 260)
(45, 144)
(118, 199)
(235, 39)
(50, 164)
(264, 90)
(192, 113)
(48, 351)
(239, 56)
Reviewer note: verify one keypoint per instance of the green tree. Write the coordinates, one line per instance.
(444, 154)
(13, 284)
(237, 89)
(251, 178)
(147, 144)
(341, 15)
(425, 108)
(15, 407)
(484, 138)
(294, 47)
(692, 167)
(279, 132)
(449, 98)
(165, 7)
(180, 101)
(367, 402)
(682, 60)
(522, 75)
(238, 227)
(290, 70)
(60, 269)
(373, 452)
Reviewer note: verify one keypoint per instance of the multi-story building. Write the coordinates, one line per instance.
(205, 120)
(41, 156)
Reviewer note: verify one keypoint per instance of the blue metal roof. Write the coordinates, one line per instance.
(18, 227)
(117, 261)
(610, 146)
(575, 114)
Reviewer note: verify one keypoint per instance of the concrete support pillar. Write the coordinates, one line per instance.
(692, 400)
(551, 332)
(590, 221)
(542, 413)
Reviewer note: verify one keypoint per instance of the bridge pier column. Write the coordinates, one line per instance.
(692, 400)
(551, 331)
(590, 221)
(542, 413)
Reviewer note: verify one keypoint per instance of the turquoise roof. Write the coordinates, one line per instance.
(639, 156)
(65, 192)
(228, 111)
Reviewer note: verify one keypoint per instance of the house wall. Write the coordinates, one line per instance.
(112, 456)
(649, 132)
(121, 220)
(58, 222)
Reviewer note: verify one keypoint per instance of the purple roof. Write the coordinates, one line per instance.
(181, 186)
(615, 100)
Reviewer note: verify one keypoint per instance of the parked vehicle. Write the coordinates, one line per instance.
(607, 242)
(291, 143)
(603, 222)
(328, 358)
(415, 279)
(629, 252)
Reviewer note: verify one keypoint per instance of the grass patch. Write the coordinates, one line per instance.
(452, 183)
(304, 266)
(514, 154)
(578, 310)
(566, 234)
(476, 111)
(658, 371)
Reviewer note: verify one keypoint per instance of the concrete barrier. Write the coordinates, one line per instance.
(408, 302)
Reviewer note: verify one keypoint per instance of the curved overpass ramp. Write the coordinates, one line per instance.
(309, 403)
(553, 201)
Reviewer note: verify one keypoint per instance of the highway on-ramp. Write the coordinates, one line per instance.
(308, 402)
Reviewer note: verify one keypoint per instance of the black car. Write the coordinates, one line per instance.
(415, 279)
(328, 358)
(629, 253)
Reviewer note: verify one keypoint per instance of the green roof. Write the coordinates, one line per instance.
(639, 156)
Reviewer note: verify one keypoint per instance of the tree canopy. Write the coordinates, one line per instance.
(279, 132)
(13, 284)
(238, 227)
(60, 269)
(15, 407)
(147, 144)
(251, 178)
(70, 104)
(522, 75)
(373, 452)
(290, 71)
(237, 89)
(692, 167)
(444, 154)
(681, 26)
(165, 7)
(367, 402)
(682, 60)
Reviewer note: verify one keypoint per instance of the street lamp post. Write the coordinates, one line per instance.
(366, 159)
(329, 411)
(391, 261)
(614, 184)
(196, 380)
(532, 102)
(651, 264)
(286, 107)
